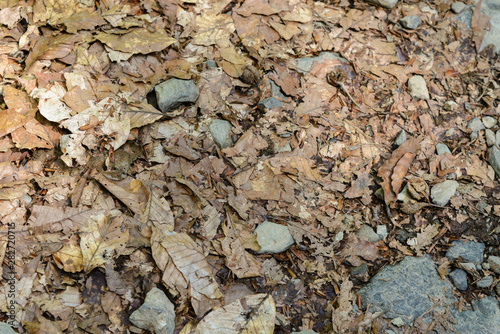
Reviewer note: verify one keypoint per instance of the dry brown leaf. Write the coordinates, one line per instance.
(248, 315)
(130, 191)
(340, 314)
(399, 171)
(138, 40)
(210, 222)
(241, 263)
(190, 261)
(104, 238)
(386, 170)
(213, 29)
(359, 247)
(69, 258)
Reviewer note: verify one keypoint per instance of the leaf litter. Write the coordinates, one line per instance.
(110, 197)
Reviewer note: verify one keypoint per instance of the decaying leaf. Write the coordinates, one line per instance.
(247, 315)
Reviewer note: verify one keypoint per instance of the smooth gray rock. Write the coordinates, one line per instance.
(6, 329)
(400, 138)
(382, 231)
(304, 65)
(494, 262)
(307, 331)
(494, 159)
(491, 8)
(418, 87)
(458, 7)
(368, 233)
(410, 22)
(497, 137)
(442, 149)
(403, 290)
(384, 3)
(459, 279)
(269, 103)
(489, 121)
(473, 136)
(172, 93)
(273, 238)
(475, 124)
(360, 270)
(490, 137)
(485, 282)
(221, 132)
(468, 250)
(442, 193)
(157, 312)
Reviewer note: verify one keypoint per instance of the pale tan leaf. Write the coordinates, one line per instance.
(213, 29)
(138, 40)
(69, 258)
(400, 170)
(247, 315)
(130, 191)
(210, 222)
(105, 237)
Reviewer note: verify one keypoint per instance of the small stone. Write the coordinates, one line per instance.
(418, 87)
(273, 238)
(459, 279)
(277, 148)
(485, 266)
(306, 331)
(368, 233)
(400, 138)
(458, 7)
(384, 3)
(156, 312)
(211, 63)
(382, 231)
(473, 136)
(475, 124)
(489, 122)
(485, 282)
(497, 136)
(397, 322)
(410, 22)
(172, 93)
(221, 132)
(468, 250)
(450, 105)
(494, 159)
(269, 103)
(360, 270)
(442, 149)
(449, 132)
(490, 137)
(494, 262)
(6, 328)
(442, 193)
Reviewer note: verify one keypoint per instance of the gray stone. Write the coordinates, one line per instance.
(489, 121)
(494, 262)
(221, 132)
(278, 148)
(410, 288)
(6, 329)
(403, 290)
(485, 266)
(307, 331)
(484, 318)
(156, 312)
(494, 159)
(458, 7)
(473, 136)
(410, 22)
(304, 65)
(442, 193)
(368, 233)
(468, 250)
(172, 93)
(485, 282)
(450, 105)
(418, 87)
(497, 136)
(475, 124)
(360, 270)
(211, 63)
(384, 3)
(459, 279)
(491, 8)
(400, 138)
(490, 137)
(382, 231)
(273, 238)
(269, 103)
(442, 149)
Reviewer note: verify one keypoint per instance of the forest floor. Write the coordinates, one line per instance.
(369, 138)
